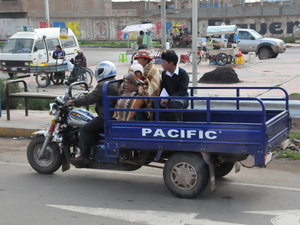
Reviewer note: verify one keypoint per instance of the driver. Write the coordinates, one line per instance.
(180, 34)
(105, 71)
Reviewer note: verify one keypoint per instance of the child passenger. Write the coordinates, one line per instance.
(133, 85)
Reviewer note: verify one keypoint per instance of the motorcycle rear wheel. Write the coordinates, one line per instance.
(51, 160)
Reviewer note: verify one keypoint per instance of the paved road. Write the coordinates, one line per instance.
(80, 196)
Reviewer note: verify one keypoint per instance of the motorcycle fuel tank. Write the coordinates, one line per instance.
(79, 117)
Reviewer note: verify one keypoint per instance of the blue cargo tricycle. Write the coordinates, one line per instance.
(215, 135)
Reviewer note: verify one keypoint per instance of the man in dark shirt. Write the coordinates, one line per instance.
(139, 41)
(80, 61)
(58, 53)
(175, 81)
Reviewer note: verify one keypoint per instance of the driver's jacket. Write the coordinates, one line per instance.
(96, 96)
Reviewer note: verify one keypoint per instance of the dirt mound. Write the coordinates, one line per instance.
(221, 75)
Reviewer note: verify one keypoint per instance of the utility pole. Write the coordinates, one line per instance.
(47, 13)
(163, 24)
(194, 43)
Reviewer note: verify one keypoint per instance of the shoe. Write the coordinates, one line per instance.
(80, 159)
(68, 83)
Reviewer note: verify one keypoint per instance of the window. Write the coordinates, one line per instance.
(68, 43)
(18, 45)
(39, 45)
(52, 43)
(244, 35)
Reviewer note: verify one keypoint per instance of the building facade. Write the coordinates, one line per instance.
(104, 20)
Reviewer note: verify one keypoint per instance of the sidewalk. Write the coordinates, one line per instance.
(262, 73)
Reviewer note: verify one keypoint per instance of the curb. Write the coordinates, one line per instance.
(16, 132)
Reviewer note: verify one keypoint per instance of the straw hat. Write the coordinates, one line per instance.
(143, 53)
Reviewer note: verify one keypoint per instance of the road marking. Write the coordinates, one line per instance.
(144, 216)
(283, 217)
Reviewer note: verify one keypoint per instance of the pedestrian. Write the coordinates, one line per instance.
(58, 53)
(139, 41)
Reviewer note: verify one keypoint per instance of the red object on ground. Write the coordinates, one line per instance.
(239, 54)
(183, 58)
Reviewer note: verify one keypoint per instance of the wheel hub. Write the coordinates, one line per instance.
(184, 176)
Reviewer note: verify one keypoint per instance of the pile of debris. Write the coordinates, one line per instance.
(293, 146)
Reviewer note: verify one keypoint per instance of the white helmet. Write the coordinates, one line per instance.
(104, 70)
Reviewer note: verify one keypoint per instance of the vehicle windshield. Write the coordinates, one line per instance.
(256, 34)
(18, 46)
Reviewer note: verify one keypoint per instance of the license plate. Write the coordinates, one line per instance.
(14, 69)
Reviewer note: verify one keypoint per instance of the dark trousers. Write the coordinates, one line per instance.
(174, 104)
(73, 76)
(88, 135)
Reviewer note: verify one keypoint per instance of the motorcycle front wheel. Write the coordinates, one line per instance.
(51, 160)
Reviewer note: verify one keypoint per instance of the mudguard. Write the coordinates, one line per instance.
(40, 133)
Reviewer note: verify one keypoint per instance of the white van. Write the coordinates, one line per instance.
(34, 47)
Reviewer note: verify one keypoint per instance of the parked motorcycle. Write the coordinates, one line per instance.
(179, 39)
(176, 41)
(53, 148)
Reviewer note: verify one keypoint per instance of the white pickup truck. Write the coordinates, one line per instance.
(252, 41)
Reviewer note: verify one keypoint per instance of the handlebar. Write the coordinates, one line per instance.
(69, 89)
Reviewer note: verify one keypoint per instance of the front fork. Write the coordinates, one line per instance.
(48, 137)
